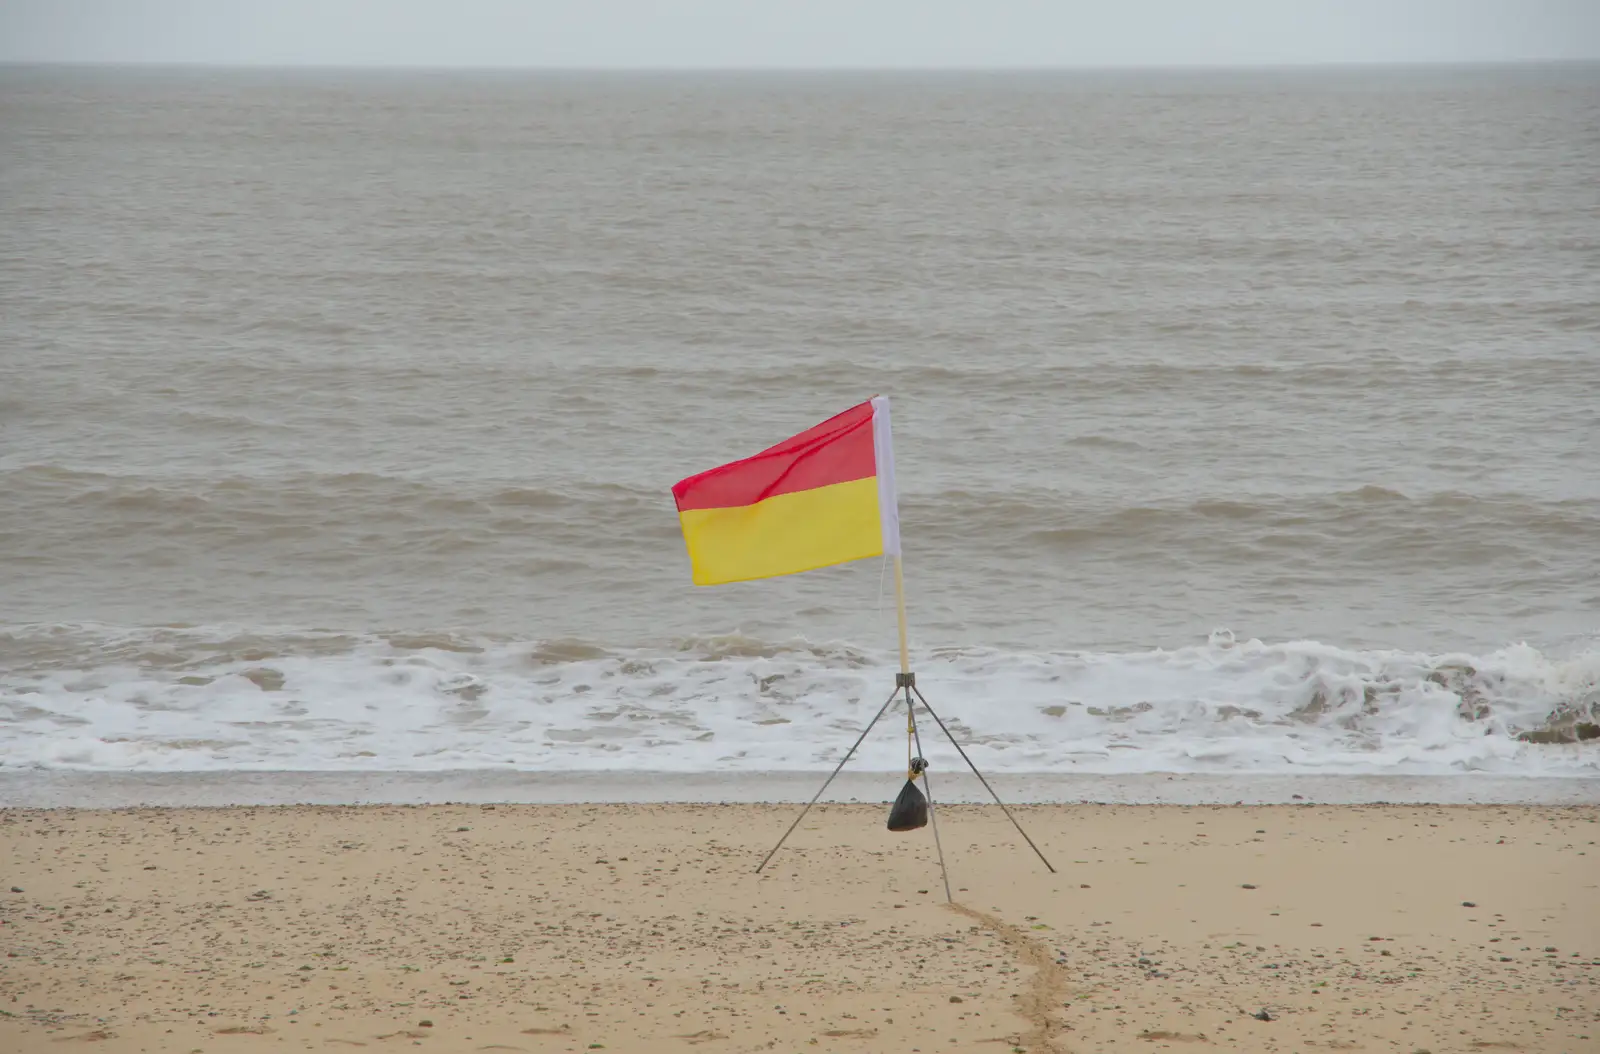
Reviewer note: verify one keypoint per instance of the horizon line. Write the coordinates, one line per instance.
(1351, 64)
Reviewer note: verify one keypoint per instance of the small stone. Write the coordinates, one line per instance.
(16, 889)
(1247, 886)
(957, 999)
(1468, 904)
(424, 1023)
(1262, 1015)
(1083, 885)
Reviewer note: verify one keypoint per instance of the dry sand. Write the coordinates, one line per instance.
(642, 928)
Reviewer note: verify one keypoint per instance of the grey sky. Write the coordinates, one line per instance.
(795, 33)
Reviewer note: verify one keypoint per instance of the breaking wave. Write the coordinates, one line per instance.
(90, 697)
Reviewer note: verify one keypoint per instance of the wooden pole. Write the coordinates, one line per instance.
(900, 603)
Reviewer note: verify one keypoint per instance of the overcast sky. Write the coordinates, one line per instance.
(795, 33)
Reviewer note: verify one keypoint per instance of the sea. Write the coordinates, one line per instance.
(1247, 427)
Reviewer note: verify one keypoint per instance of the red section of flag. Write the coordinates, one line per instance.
(838, 450)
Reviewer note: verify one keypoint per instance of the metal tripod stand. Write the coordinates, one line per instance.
(905, 687)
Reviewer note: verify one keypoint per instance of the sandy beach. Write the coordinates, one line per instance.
(645, 928)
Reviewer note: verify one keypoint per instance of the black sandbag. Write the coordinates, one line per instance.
(910, 809)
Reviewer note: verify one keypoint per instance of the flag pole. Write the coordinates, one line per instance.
(889, 500)
(900, 603)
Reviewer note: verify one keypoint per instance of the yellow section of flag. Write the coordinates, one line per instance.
(784, 534)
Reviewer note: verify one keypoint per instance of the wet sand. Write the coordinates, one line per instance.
(642, 927)
(68, 788)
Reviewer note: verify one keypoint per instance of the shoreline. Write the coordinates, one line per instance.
(49, 789)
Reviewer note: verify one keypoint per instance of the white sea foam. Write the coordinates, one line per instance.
(207, 700)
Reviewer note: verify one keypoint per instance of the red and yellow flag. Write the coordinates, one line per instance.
(825, 496)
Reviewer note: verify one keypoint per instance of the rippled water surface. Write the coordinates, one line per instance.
(339, 412)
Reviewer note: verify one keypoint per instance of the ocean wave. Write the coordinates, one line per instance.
(1379, 521)
(222, 699)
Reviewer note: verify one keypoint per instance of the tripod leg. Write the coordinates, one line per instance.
(847, 755)
(933, 815)
(985, 782)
